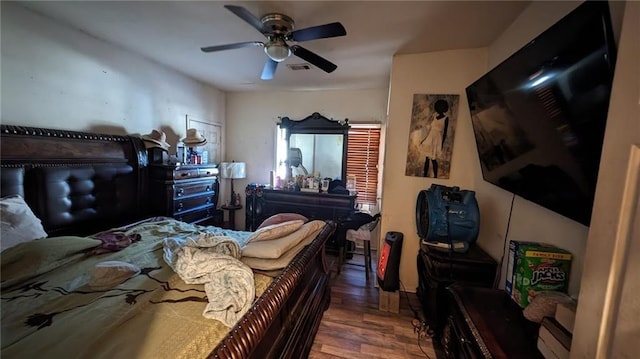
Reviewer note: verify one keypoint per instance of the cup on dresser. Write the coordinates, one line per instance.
(325, 185)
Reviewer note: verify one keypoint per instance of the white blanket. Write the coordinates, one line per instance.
(213, 261)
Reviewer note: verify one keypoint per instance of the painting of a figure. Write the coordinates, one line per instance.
(433, 122)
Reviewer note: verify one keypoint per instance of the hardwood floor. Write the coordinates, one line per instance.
(354, 328)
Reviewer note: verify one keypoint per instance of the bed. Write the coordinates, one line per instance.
(90, 192)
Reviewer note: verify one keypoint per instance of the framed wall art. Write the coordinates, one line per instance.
(433, 123)
(212, 133)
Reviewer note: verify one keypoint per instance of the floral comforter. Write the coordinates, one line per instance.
(55, 305)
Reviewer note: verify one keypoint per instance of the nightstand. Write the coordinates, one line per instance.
(187, 193)
(232, 215)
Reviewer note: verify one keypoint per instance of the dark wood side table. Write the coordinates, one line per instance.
(232, 215)
(486, 323)
(438, 269)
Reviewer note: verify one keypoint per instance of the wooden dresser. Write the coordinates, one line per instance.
(263, 203)
(187, 193)
(486, 323)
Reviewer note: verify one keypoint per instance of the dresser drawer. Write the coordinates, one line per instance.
(185, 173)
(208, 172)
(178, 173)
(187, 203)
(186, 189)
(188, 193)
(195, 216)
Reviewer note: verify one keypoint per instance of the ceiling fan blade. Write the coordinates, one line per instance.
(269, 69)
(237, 45)
(245, 15)
(314, 59)
(319, 32)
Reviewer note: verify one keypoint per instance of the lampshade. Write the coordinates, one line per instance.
(233, 170)
(277, 50)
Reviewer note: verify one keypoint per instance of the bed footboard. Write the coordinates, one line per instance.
(285, 319)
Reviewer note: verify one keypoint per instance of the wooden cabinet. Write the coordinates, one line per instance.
(486, 323)
(437, 269)
(187, 193)
(263, 203)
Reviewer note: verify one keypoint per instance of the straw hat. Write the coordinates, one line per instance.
(194, 138)
(156, 139)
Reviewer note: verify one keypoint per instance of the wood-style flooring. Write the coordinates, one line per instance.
(354, 328)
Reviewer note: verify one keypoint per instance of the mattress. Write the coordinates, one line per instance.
(53, 303)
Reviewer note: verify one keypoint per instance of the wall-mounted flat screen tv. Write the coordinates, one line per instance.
(539, 116)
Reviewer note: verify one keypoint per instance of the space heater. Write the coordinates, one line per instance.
(447, 218)
(389, 262)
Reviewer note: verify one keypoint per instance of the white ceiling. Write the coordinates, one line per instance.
(172, 32)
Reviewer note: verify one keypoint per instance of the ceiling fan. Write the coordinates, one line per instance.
(279, 30)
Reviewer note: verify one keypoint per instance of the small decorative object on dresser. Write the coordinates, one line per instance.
(157, 146)
(187, 193)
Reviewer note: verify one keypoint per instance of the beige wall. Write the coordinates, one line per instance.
(56, 77)
(252, 119)
(447, 72)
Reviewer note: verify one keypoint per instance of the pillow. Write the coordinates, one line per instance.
(544, 305)
(32, 258)
(282, 261)
(109, 274)
(18, 222)
(282, 217)
(275, 231)
(276, 247)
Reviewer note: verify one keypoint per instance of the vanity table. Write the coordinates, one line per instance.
(315, 146)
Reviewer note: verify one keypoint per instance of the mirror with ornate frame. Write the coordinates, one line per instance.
(315, 146)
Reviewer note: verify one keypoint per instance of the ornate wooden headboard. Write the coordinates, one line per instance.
(75, 182)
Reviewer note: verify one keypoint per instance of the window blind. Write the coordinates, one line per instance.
(363, 149)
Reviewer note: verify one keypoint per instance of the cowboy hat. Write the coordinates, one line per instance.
(194, 138)
(156, 139)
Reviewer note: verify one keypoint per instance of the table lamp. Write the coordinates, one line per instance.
(233, 170)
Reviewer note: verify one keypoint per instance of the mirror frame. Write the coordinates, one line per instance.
(318, 124)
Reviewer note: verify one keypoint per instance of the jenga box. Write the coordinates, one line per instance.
(539, 267)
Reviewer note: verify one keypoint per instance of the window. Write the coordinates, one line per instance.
(281, 153)
(363, 149)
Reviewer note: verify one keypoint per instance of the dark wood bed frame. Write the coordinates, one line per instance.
(79, 183)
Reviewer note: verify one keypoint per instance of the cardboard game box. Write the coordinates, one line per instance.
(538, 267)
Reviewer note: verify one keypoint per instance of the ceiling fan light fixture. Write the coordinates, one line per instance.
(277, 50)
(278, 29)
